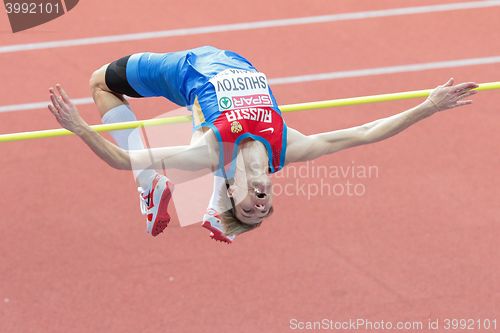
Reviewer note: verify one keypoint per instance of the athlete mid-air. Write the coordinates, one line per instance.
(238, 131)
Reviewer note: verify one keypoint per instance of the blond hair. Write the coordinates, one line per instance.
(233, 226)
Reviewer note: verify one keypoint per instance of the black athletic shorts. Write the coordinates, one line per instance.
(116, 78)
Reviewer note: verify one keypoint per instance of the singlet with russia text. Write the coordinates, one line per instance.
(225, 92)
(237, 103)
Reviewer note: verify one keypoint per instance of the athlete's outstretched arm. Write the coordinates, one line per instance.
(189, 157)
(307, 147)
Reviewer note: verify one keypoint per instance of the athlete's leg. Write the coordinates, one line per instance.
(108, 86)
(104, 98)
(114, 108)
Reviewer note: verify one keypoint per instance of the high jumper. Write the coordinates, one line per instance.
(238, 131)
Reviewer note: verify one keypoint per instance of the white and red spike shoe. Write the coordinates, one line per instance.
(154, 204)
(212, 222)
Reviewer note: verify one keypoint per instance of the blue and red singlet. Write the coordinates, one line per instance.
(225, 92)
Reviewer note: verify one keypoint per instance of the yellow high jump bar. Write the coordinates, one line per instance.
(284, 108)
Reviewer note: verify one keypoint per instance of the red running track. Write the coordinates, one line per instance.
(421, 242)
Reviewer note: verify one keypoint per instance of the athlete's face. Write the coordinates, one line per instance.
(253, 200)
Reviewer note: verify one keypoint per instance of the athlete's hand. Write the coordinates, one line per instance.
(448, 96)
(65, 112)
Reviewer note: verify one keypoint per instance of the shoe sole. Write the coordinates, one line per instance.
(163, 218)
(216, 234)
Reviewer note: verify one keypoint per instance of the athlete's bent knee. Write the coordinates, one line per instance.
(98, 80)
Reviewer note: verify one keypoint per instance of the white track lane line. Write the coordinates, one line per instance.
(386, 70)
(250, 25)
(313, 77)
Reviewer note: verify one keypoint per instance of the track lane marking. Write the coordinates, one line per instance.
(312, 77)
(249, 25)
